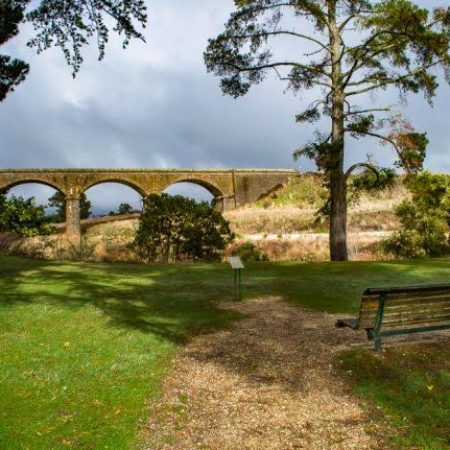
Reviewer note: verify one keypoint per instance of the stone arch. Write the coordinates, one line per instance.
(210, 187)
(6, 187)
(223, 200)
(121, 181)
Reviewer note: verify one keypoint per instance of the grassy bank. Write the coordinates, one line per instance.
(84, 345)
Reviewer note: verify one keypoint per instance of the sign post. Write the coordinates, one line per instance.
(237, 266)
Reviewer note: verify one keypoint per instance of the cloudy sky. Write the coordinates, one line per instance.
(154, 105)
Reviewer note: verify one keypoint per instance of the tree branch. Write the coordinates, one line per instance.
(365, 111)
(288, 33)
(394, 80)
(351, 17)
(275, 65)
(358, 165)
(381, 137)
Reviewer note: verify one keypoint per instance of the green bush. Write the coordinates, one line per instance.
(424, 220)
(248, 252)
(370, 182)
(175, 228)
(22, 217)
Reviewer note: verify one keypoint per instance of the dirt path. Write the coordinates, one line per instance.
(265, 384)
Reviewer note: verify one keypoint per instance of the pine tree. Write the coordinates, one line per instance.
(349, 49)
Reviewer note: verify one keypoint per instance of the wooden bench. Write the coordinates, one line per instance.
(401, 310)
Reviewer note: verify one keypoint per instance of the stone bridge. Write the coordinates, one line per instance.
(231, 188)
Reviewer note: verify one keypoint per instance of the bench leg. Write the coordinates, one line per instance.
(379, 322)
(378, 344)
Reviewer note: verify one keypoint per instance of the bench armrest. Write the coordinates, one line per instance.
(348, 323)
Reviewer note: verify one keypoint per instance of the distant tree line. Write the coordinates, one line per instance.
(26, 218)
(124, 209)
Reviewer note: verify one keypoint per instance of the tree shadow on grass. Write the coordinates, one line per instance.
(176, 302)
(171, 302)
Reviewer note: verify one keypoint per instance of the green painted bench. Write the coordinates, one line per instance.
(395, 311)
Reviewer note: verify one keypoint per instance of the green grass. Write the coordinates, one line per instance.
(410, 385)
(84, 346)
(305, 191)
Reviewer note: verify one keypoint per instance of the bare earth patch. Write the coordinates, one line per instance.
(267, 383)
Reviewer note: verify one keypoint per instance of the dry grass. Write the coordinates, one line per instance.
(313, 246)
(274, 220)
(280, 215)
(307, 191)
(111, 242)
(385, 201)
(294, 220)
(104, 242)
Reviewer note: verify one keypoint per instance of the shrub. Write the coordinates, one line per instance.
(175, 228)
(248, 252)
(370, 182)
(22, 217)
(424, 220)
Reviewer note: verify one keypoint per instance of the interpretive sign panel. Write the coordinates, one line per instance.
(235, 262)
(237, 266)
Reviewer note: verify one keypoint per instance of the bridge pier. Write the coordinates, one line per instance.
(73, 225)
(225, 203)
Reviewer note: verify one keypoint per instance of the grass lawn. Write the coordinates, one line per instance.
(410, 385)
(83, 346)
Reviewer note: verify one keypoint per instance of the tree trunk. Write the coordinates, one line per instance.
(338, 217)
(337, 178)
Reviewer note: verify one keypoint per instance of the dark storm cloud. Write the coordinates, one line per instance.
(154, 105)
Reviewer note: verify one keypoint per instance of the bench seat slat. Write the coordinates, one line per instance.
(406, 321)
(398, 309)
(410, 318)
(368, 319)
(395, 311)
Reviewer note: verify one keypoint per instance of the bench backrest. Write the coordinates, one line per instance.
(405, 306)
